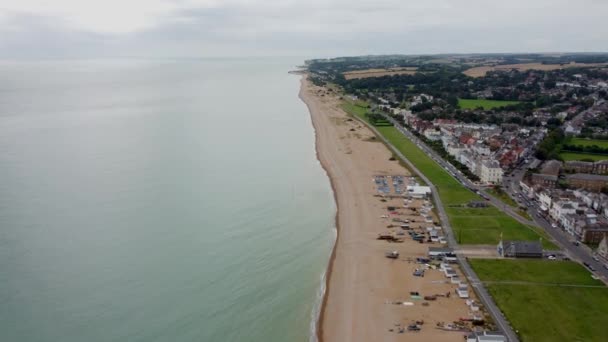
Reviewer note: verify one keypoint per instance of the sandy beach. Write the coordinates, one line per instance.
(362, 284)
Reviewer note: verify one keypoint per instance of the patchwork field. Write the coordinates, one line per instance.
(485, 104)
(471, 226)
(349, 75)
(580, 156)
(483, 70)
(547, 300)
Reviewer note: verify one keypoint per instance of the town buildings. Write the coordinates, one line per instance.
(587, 181)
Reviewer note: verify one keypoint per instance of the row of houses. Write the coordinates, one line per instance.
(549, 175)
(576, 166)
(464, 142)
(581, 213)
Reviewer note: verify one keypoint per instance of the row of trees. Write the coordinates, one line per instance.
(586, 149)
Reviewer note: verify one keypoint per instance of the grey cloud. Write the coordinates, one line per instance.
(326, 28)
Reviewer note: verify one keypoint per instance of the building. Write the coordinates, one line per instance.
(491, 172)
(417, 191)
(545, 199)
(578, 166)
(587, 181)
(551, 167)
(486, 337)
(602, 248)
(598, 168)
(520, 249)
(562, 208)
(544, 181)
(439, 252)
(432, 134)
(594, 233)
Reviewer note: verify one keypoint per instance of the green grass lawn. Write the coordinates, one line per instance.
(524, 214)
(578, 156)
(503, 196)
(486, 104)
(588, 142)
(473, 226)
(546, 313)
(533, 270)
(484, 226)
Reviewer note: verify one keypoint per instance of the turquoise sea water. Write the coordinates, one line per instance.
(159, 201)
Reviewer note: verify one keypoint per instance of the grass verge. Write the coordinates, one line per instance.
(543, 311)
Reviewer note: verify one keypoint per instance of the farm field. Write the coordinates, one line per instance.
(481, 71)
(547, 300)
(486, 104)
(350, 75)
(471, 226)
(580, 156)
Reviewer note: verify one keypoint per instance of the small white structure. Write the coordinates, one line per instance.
(462, 293)
(486, 337)
(417, 191)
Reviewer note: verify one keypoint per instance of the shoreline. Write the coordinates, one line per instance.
(302, 94)
(364, 290)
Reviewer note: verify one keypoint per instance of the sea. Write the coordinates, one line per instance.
(160, 200)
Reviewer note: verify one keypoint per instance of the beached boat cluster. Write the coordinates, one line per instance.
(409, 217)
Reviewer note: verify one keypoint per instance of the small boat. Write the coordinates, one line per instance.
(392, 255)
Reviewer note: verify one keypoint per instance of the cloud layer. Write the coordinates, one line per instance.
(203, 28)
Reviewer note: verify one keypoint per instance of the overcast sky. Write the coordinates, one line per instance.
(212, 28)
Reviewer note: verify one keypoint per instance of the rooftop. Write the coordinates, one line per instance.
(587, 176)
(523, 247)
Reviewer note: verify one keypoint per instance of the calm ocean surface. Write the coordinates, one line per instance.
(159, 201)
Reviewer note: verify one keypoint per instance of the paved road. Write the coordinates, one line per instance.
(478, 286)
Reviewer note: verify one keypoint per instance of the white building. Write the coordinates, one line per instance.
(432, 134)
(562, 208)
(491, 172)
(418, 99)
(545, 200)
(416, 191)
(486, 337)
(481, 149)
